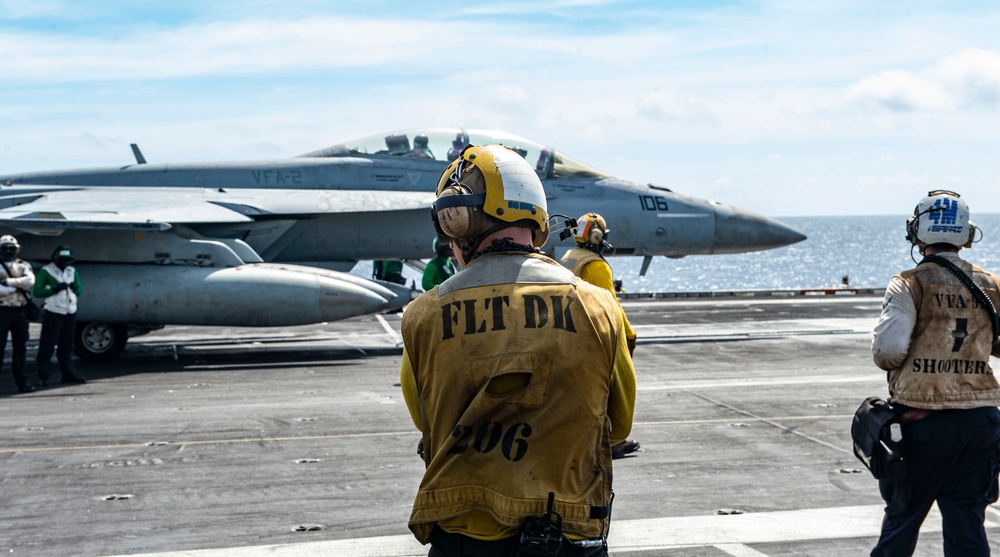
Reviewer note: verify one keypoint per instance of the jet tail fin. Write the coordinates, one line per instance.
(138, 154)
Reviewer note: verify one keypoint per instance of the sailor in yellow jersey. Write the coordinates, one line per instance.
(587, 262)
(517, 374)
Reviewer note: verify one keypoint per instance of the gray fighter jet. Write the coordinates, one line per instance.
(268, 243)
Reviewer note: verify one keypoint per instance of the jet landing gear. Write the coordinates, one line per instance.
(97, 341)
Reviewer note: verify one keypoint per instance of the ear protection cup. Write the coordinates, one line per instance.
(911, 230)
(972, 234)
(453, 221)
(596, 236)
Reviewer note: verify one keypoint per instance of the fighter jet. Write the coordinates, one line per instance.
(267, 243)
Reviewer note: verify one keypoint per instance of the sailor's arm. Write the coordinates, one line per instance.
(409, 385)
(891, 337)
(621, 399)
(24, 282)
(599, 273)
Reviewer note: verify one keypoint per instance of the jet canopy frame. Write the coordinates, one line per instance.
(445, 145)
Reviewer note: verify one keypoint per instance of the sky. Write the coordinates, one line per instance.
(785, 107)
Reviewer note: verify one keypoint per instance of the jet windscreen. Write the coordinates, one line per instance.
(446, 144)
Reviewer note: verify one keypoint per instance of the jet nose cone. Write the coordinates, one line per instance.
(738, 230)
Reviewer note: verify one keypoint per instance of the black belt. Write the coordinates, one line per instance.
(457, 544)
(914, 414)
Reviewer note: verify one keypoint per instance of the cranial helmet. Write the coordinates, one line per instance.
(63, 252)
(9, 247)
(484, 190)
(591, 229)
(941, 218)
(63, 256)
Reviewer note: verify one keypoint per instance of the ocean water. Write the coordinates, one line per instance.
(868, 250)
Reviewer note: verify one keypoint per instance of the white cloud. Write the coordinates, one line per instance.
(593, 131)
(661, 106)
(437, 47)
(974, 74)
(18, 9)
(967, 79)
(217, 49)
(529, 7)
(899, 90)
(700, 99)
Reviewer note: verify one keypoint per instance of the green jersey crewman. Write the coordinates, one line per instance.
(440, 268)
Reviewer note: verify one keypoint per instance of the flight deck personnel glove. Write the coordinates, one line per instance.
(59, 287)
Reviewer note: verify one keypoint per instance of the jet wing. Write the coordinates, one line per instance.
(47, 212)
(262, 202)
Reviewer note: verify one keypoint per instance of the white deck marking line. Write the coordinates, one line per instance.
(730, 420)
(349, 345)
(766, 382)
(739, 550)
(761, 334)
(773, 423)
(396, 338)
(139, 444)
(726, 532)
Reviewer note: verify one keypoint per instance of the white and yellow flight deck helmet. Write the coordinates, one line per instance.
(591, 229)
(485, 189)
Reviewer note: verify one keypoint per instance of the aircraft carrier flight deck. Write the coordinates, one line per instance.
(209, 442)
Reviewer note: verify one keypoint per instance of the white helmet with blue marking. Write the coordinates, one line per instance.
(941, 218)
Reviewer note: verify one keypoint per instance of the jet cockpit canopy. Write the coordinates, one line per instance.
(445, 144)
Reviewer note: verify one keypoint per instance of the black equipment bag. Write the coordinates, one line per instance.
(873, 444)
(34, 312)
